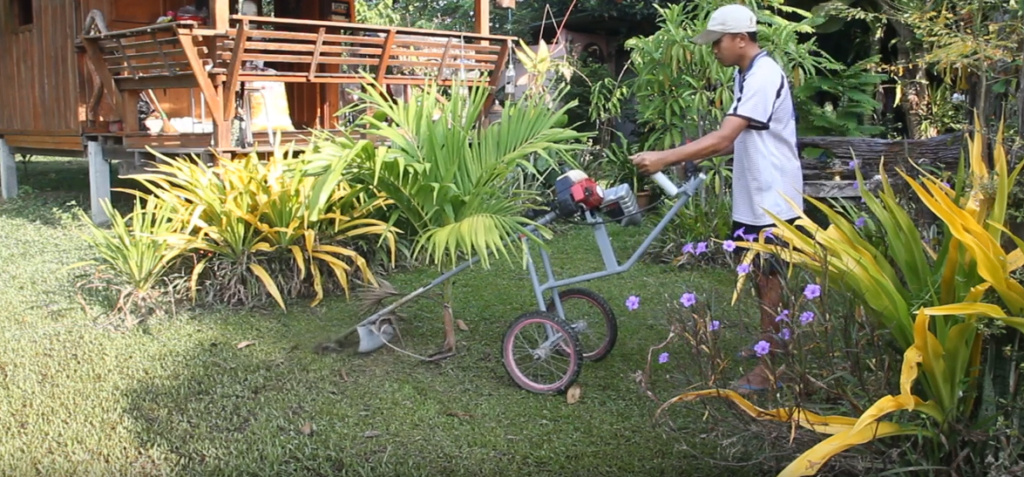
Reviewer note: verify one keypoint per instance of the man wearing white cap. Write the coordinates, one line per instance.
(759, 129)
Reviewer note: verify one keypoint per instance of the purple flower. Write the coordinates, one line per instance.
(947, 185)
(688, 299)
(786, 334)
(860, 222)
(688, 248)
(782, 317)
(762, 348)
(812, 291)
(750, 238)
(739, 232)
(715, 324)
(729, 245)
(702, 248)
(743, 268)
(853, 164)
(663, 358)
(806, 317)
(633, 302)
(856, 185)
(768, 233)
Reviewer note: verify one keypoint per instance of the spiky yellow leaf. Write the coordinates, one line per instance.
(317, 283)
(261, 247)
(268, 282)
(340, 269)
(194, 280)
(810, 462)
(800, 416)
(300, 260)
(984, 309)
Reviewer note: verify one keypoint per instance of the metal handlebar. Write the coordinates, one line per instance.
(665, 184)
(672, 190)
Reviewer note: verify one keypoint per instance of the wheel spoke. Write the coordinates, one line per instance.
(544, 375)
(586, 309)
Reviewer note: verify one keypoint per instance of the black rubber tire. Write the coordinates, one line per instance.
(611, 325)
(572, 352)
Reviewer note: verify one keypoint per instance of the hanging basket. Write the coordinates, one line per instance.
(506, 3)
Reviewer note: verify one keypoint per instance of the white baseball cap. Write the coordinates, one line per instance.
(728, 19)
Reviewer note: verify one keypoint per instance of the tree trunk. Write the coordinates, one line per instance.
(1020, 103)
(876, 51)
(914, 100)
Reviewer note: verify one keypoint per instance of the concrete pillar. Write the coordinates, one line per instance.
(99, 181)
(8, 171)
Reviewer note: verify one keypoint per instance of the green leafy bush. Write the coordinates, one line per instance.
(682, 91)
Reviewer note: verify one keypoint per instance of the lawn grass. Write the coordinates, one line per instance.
(178, 397)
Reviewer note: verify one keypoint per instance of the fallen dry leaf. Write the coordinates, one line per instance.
(307, 428)
(244, 344)
(459, 414)
(573, 395)
(344, 376)
(462, 325)
(369, 434)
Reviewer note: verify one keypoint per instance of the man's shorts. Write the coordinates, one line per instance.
(763, 262)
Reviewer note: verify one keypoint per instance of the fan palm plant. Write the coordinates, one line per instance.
(456, 184)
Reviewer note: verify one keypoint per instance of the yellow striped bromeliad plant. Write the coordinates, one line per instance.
(932, 301)
(244, 212)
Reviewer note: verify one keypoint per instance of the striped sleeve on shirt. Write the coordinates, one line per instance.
(756, 95)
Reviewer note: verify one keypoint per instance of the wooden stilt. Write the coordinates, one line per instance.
(99, 182)
(8, 171)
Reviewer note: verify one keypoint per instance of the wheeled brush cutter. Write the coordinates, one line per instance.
(575, 324)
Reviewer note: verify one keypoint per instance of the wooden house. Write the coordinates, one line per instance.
(82, 75)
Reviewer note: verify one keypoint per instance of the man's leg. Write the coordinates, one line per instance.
(768, 289)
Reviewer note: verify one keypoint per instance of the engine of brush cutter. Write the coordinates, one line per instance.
(576, 193)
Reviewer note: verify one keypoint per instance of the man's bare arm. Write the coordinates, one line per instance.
(712, 144)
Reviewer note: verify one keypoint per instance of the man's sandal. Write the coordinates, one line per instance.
(750, 388)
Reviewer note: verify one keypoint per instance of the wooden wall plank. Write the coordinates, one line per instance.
(48, 85)
(41, 88)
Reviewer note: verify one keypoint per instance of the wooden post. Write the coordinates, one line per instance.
(482, 13)
(385, 58)
(99, 181)
(220, 10)
(497, 78)
(8, 171)
(212, 93)
(100, 66)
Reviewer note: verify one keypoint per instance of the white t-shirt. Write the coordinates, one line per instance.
(766, 165)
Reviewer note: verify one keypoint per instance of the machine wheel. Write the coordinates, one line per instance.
(585, 307)
(531, 354)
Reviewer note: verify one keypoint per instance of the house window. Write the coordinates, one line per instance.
(22, 12)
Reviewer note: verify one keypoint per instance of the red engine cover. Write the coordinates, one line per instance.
(586, 193)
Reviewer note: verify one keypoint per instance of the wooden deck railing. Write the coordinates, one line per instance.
(169, 55)
(182, 55)
(334, 52)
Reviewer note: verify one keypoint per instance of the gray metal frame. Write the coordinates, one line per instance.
(612, 265)
(611, 262)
